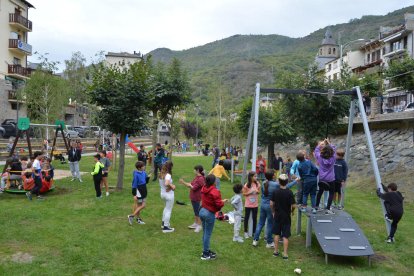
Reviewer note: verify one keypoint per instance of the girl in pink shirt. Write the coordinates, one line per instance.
(251, 192)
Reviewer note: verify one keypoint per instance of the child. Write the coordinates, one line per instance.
(237, 203)
(341, 173)
(97, 175)
(24, 160)
(107, 164)
(308, 174)
(218, 171)
(36, 169)
(282, 204)
(260, 167)
(139, 191)
(325, 156)
(393, 201)
(251, 191)
(47, 168)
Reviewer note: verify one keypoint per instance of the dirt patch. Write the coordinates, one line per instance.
(22, 258)
(379, 258)
(60, 174)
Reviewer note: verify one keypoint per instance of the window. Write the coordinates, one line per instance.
(329, 51)
(405, 42)
(334, 51)
(373, 57)
(14, 35)
(320, 52)
(16, 61)
(14, 106)
(335, 76)
(329, 67)
(383, 51)
(378, 54)
(368, 58)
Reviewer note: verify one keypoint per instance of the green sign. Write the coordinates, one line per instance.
(23, 123)
(60, 124)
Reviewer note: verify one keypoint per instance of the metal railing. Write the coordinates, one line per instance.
(19, 19)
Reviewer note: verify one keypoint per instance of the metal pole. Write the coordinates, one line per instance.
(255, 126)
(309, 233)
(372, 153)
(248, 143)
(348, 143)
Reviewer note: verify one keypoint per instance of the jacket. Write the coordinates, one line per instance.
(211, 199)
(97, 170)
(74, 157)
(341, 170)
(308, 172)
(258, 165)
(326, 166)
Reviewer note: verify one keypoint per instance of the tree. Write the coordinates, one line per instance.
(401, 73)
(168, 92)
(77, 74)
(121, 95)
(274, 126)
(46, 94)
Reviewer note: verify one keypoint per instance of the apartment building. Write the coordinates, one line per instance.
(122, 59)
(352, 59)
(14, 49)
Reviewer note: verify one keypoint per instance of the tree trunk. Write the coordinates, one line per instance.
(172, 134)
(154, 134)
(120, 183)
(270, 151)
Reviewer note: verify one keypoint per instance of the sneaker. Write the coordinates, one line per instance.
(193, 226)
(29, 196)
(285, 257)
(73, 179)
(80, 180)
(198, 228)
(167, 229)
(246, 235)
(213, 255)
(140, 221)
(107, 193)
(329, 212)
(238, 239)
(130, 219)
(40, 197)
(388, 219)
(206, 256)
(303, 209)
(255, 242)
(340, 207)
(162, 225)
(390, 240)
(313, 211)
(270, 245)
(276, 254)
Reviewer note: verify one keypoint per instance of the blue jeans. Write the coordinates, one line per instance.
(215, 161)
(207, 218)
(309, 188)
(265, 216)
(217, 183)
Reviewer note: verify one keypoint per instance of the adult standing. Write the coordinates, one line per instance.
(74, 156)
(195, 195)
(277, 164)
(167, 194)
(216, 155)
(159, 156)
(211, 203)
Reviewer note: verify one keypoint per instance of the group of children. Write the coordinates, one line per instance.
(34, 176)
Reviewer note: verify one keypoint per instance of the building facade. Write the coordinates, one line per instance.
(14, 49)
(122, 59)
(328, 50)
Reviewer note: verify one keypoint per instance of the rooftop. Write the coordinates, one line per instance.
(124, 55)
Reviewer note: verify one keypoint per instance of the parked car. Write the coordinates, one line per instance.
(81, 131)
(10, 128)
(96, 130)
(70, 132)
(409, 107)
(2, 132)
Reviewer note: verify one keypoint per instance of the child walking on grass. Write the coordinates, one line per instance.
(393, 201)
(282, 204)
(139, 191)
(237, 203)
(97, 175)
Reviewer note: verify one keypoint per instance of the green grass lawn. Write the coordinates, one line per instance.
(72, 232)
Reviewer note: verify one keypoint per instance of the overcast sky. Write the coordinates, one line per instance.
(65, 26)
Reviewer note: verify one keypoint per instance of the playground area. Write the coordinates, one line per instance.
(71, 231)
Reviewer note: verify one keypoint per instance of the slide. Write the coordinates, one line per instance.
(131, 145)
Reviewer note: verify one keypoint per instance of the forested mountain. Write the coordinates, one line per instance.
(236, 63)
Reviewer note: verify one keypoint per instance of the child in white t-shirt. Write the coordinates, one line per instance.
(237, 203)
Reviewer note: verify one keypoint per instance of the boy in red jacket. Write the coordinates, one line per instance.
(211, 203)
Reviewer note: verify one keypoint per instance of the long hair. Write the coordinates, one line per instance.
(210, 180)
(250, 179)
(327, 152)
(269, 176)
(166, 168)
(199, 169)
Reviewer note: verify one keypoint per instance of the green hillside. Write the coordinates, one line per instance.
(238, 62)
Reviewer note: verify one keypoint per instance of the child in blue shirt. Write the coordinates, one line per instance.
(139, 191)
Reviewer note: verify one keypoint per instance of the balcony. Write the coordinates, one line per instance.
(12, 95)
(394, 53)
(20, 47)
(19, 20)
(18, 72)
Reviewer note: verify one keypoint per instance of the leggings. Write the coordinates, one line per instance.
(326, 186)
(395, 219)
(247, 212)
(97, 182)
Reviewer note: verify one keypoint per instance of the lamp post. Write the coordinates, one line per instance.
(342, 46)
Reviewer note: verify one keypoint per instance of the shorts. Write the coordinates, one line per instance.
(140, 193)
(105, 174)
(338, 186)
(196, 207)
(280, 229)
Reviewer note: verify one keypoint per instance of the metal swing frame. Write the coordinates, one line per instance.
(356, 100)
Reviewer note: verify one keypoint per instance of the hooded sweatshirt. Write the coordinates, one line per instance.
(139, 178)
(326, 166)
(307, 171)
(211, 199)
